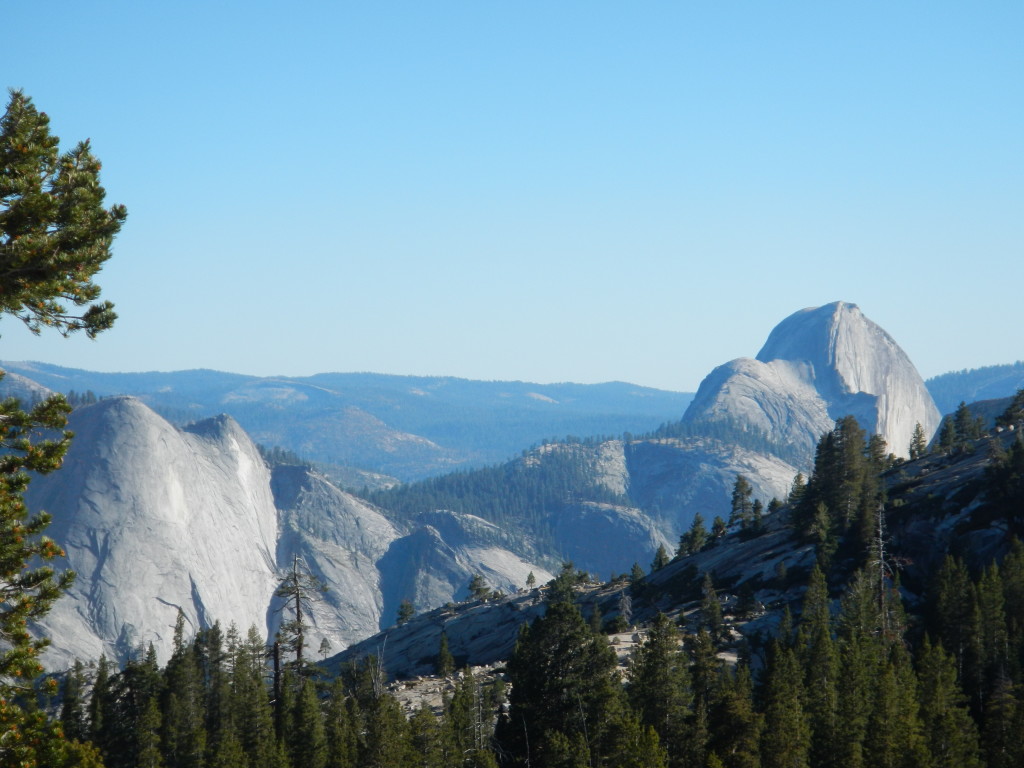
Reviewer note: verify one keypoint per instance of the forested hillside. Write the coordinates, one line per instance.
(988, 383)
(875, 619)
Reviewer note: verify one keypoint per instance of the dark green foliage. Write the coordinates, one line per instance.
(841, 500)
(478, 589)
(1014, 413)
(948, 730)
(742, 507)
(445, 661)
(55, 233)
(405, 612)
(659, 687)
(695, 539)
(1004, 486)
(564, 689)
(786, 740)
(918, 443)
(661, 559)
(719, 528)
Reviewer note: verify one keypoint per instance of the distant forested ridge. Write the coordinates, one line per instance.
(987, 383)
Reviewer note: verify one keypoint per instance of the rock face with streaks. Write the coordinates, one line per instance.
(155, 520)
(820, 364)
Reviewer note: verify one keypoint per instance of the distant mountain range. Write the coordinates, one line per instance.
(157, 517)
(407, 427)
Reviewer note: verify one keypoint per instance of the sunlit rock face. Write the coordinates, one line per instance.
(153, 520)
(339, 539)
(820, 364)
(156, 519)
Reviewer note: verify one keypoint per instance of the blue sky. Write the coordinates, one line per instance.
(571, 191)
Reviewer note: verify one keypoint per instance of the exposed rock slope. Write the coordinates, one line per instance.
(818, 365)
(154, 520)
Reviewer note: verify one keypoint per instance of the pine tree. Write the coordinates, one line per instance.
(298, 586)
(1014, 413)
(949, 732)
(742, 503)
(695, 539)
(918, 443)
(719, 529)
(786, 738)
(250, 704)
(73, 712)
(307, 740)
(563, 682)
(710, 608)
(55, 234)
(445, 664)
(817, 654)
(736, 727)
(661, 559)
(659, 687)
(341, 729)
(478, 589)
(183, 731)
(405, 612)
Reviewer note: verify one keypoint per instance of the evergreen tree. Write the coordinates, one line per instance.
(478, 589)
(742, 506)
(1014, 413)
(1001, 737)
(947, 434)
(387, 741)
(73, 710)
(785, 742)
(250, 704)
(710, 607)
(818, 657)
(736, 726)
(695, 539)
(949, 731)
(445, 664)
(183, 731)
(564, 687)
(636, 574)
(55, 233)
(894, 737)
(298, 586)
(718, 530)
(918, 443)
(659, 687)
(967, 427)
(405, 612)
(341, 729)
(661, 559)
(307, 740)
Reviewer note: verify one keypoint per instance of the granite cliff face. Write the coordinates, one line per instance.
(820, 364)
(156, 519)
(153, 520)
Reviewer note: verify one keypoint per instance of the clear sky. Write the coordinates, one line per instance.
(545, 191)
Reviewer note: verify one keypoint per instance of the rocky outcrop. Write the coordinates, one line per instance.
(155, 520)
(433, 565)
(818, 365)
(674, 480)
(340, 539)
